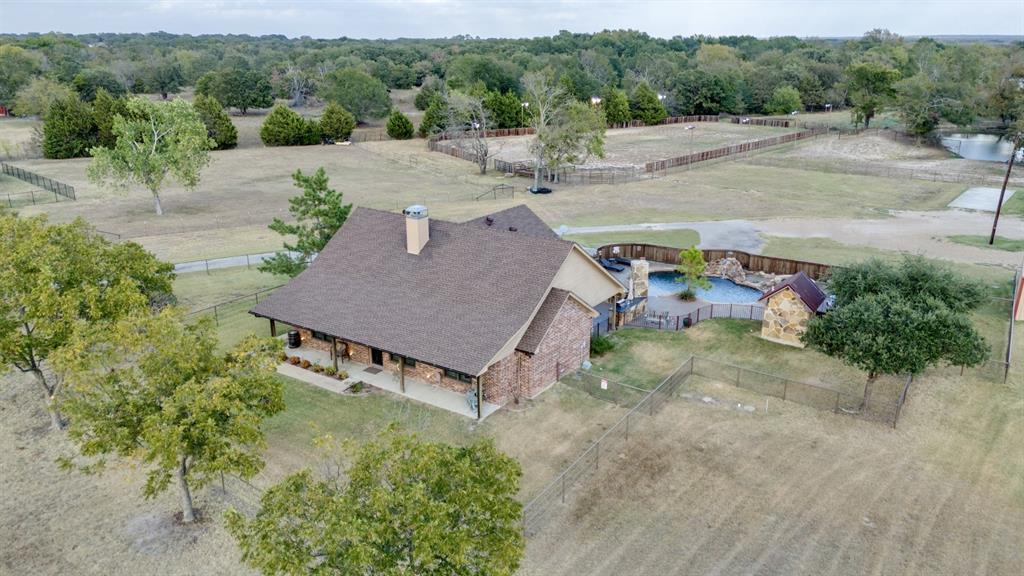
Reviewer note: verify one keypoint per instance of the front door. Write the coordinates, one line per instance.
(376, 356)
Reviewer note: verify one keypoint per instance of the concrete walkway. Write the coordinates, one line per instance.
(415, 389)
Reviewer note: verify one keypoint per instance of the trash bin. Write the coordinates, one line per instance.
(294, 339)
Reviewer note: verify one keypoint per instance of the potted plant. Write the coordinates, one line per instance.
(304, 363)
(294, 360)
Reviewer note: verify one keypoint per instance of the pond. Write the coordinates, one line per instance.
(988, 147)
(722, 290)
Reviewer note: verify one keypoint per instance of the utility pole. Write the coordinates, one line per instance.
(999, 206)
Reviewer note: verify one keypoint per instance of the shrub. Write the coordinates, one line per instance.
(336, 122)
(294, 360)
(316, 367)
(600, 345)
(357, 387)
(688, 295)
(69, 130)
(330, 370)
(218, 124)
(283, 357)
(399, 126)
(342, 375)
(284, 127)
(304, 363)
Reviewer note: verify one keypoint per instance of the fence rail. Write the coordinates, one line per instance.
(753, 262)
(677, 322)
(725, 151)
(59, 189)
(222, 310)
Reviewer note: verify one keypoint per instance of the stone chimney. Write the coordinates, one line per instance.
(417, 228)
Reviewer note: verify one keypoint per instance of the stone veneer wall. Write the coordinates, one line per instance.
(785, 318)
(563, 349)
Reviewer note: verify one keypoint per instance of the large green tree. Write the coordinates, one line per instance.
(56, 278)
(69, 130)
(87, 82)
(153, 389)
(899, 319)
(218, 124)
(565, 131)
(361, 94)
(239, 88)
(163, 77)
(917, 105)
(646, 106)
(615, 104)
(285, 127)
(35, 97)
(17, 66)
(785, 99)
(105, 108)
(691, 269)
(154, 140)
(405, 506)
(871, 88)
(336, 122)
(318, 212)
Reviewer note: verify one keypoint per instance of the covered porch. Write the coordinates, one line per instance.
(381, 377)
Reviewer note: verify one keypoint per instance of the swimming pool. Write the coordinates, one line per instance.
(722, 290)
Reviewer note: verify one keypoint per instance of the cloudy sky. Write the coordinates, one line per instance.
(515, 18)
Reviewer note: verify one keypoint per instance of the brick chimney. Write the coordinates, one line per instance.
(417, 228)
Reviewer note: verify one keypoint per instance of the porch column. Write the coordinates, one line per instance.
(273, 328)
(334, 352)
(401, 373)
(479, 400)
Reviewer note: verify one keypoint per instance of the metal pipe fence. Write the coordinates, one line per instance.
(677, 322)
(538, 510)
(59, 189)
(228, 310)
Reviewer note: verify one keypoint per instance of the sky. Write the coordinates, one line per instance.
(515, 18)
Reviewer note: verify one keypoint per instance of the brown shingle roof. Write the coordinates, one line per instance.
(454, 305)
(519, 217)
(542, 320)
(805, 288)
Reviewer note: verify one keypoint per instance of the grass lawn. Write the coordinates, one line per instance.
(1001, 243)
(197, 290)
(1015, 205)
(672, 238)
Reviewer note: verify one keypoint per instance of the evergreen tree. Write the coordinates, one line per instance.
(218, 124)
(336, 122)
(646, 106)
(69, 130)
(87, 82)
(615, 104)
(104, 108)
(284, 127)
(434, 119)
(399, 126)
(318, 213)
(504, 110)
(363, 95)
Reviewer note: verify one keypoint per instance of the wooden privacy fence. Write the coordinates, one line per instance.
(771, 122)
(705, 155)
(57, 188)
(751, 262)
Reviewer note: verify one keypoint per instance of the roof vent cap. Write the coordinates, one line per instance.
(513, 229)
(416, 211)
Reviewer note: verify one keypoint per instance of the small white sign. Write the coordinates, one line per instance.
(604, 384)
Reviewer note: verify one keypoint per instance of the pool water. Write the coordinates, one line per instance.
(722, 290)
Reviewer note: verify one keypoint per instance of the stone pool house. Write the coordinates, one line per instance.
(788, 308)
(499, 305)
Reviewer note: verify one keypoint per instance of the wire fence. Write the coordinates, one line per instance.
(884, 405)
(58, 189)
(228, 310)
(549, 500)
(247, 260)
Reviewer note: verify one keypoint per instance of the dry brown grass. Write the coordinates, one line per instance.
(709, 489)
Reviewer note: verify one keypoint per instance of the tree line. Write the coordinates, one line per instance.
(696, 75)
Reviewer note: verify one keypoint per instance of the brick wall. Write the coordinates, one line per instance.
(563, 349)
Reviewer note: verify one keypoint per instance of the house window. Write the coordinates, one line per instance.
(410, 362)
(320, 336)
(457, 375)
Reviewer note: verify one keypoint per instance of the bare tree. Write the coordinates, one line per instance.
(299, 85)
(544, 99)
(466, 125)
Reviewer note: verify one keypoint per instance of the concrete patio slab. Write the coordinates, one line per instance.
(415, 389)
(982, 199)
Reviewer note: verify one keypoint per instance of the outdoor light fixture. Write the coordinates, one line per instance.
(595, 100)
(661, 96)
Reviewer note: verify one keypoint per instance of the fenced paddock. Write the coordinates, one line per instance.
(58, 189)
(884, 407)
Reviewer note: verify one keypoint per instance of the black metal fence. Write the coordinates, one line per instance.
(614, 441)
(59, 189)
(676, 322)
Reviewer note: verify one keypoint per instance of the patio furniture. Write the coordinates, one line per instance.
(609, 265)
(471, 400)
